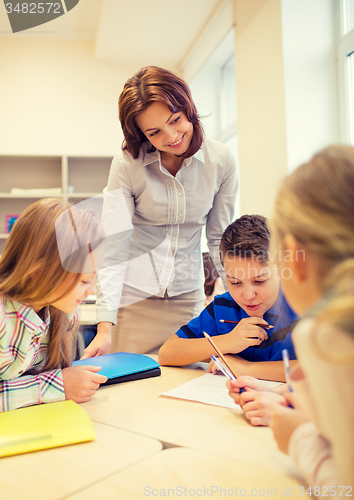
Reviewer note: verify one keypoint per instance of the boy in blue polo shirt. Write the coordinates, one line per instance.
(252, 322)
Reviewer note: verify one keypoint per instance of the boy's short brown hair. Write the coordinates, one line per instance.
(246, 237)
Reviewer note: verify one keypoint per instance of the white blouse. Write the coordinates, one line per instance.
(154, 222)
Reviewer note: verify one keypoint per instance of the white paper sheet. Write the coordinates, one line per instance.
(209, 389)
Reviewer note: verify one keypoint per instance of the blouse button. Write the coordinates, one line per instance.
(36, 340)
(20, 372)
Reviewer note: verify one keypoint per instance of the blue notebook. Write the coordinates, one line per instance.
(123, 366)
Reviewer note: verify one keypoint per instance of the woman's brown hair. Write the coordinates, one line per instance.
(153, 84)
(31, 268)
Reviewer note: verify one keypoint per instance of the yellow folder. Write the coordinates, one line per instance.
(44, 426)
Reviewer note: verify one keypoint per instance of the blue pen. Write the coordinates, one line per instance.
(225, 364)
(222, 368)
(285, 354)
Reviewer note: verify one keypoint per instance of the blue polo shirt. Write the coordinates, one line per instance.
(280, 315)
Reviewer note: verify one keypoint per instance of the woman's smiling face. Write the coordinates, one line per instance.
(168, 132)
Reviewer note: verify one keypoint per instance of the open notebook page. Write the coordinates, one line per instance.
(209, 389)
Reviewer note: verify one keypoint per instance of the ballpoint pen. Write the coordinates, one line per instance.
(285, 354)
(220, 354)
(236, 322)
(222, 367)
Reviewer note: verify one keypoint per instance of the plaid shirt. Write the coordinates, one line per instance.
(23, 346)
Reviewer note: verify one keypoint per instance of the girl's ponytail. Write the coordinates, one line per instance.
(338, 309)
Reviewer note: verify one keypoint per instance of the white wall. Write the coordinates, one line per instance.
(56, 99)
(310, 77)
(260, 102)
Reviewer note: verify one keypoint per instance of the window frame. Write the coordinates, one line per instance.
(227, 132)
(345, 47)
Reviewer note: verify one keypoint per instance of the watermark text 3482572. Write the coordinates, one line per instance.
(24, 15)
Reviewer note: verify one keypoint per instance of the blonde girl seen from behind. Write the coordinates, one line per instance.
(39, 292)
(314, 225)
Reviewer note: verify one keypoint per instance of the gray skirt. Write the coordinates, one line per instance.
(144, 326)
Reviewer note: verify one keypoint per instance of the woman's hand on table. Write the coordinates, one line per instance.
(101, 343)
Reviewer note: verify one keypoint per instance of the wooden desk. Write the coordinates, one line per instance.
(53, 474)
(191, 473)
(220, 449)
(138, 407)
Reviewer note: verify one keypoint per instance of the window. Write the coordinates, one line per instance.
(228, 97)
(350, 73)
(214, 93)
(347, 16)
(346, 70)
(228, 107)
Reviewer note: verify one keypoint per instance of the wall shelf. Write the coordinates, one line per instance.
(30, 196)
(78, 178)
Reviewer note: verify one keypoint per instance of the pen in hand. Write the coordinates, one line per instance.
(266, 327)
(225, 363)
(285, 355)
(222, 368)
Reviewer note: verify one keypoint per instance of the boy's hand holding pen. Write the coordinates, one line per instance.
(266, 326)
(247, 332)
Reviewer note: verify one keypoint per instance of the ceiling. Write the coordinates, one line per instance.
(128, 32)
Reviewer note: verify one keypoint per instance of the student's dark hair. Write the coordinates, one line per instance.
(247, 237)
(153, 84)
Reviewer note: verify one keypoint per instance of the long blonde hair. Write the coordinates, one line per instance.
(31, 268)
(315, 204)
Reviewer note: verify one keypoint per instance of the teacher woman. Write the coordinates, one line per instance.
(164, 186)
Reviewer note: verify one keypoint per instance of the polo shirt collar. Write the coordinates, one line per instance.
(273, 313)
